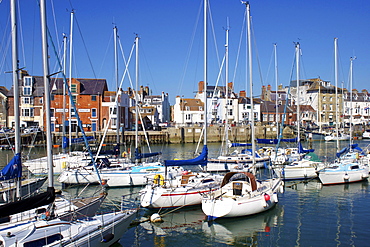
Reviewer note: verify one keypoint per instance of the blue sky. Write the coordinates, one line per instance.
(171, 42)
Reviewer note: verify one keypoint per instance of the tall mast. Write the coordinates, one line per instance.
(298, 93)
(45, 63)
(70, 80)
(249, 48)
(336, 89)
(351, 107)
(137, 96)
(118, 122)
(64, 89)
(276, 93)
(205, 71)
(227, 87)
(15, 73)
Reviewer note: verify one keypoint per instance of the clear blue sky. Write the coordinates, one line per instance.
(171, 42)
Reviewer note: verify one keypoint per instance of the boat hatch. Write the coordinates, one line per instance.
(355, 167)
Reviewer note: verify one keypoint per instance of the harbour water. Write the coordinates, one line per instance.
(308, 214)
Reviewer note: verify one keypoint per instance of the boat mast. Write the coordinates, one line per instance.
(227, 87)
(249, 48)
(298, 96)
(137, 96)
(276, 94)
(64, 91)
(45, 63)
(205, 70)
(118, 122)
(15, 72)
(336, 90)
(351, 107)
(70, 81)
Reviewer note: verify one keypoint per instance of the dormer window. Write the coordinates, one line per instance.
(27, 81)
(27, 91)
(27, 85)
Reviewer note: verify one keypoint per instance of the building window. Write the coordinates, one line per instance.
(27, 100)
(230, 112)
(230, 102)
(52, 98)
(93, 112)
(73, 113)
(93, 126)
(52, 112)
(27, 112)
(93, 97)
(27, 91)
(264, 117)
(74, 98)
(74, 88)
(27, 81)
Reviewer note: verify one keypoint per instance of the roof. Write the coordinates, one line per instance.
(192, 104)
(87, 86)
(4, 90)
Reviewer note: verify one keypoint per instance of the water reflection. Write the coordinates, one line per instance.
(244, 230)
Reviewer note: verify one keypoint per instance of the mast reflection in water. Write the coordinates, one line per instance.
(308, 214)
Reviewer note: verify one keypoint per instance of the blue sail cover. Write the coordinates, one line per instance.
(139, 155)
(240, 144)
(350, 147)
(75, 140)
(301, 150)
(13, 169)
(200, 160)
(275, 141)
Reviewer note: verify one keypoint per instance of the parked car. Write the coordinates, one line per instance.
(31, 129)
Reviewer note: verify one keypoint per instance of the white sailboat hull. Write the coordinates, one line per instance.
(177, 194)
(228, 207)
(328, 177)
(226, 202)
(85, 232)
(28, 186)
(303, 169)
(113, 177)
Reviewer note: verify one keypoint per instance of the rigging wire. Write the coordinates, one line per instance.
(189, 49)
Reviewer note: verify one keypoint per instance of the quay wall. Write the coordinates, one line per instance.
(187, 134)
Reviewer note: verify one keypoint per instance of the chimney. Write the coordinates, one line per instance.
(200, 86)
(364, 91)
(268, 87)
(231, 86)
(263, 93)
(242, 94)
(280, 87)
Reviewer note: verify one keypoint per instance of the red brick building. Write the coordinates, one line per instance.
(93, 102)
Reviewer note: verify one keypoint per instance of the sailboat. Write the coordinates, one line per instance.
(241, 157)
(240, 193)
(347, 168)
(336, 135)
(118, 175)
(14, 185)
(187, 188)
(46, 229)
(301, 168)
